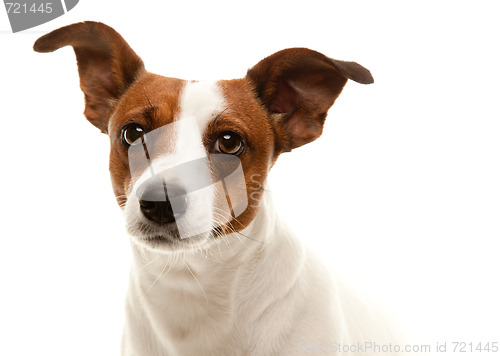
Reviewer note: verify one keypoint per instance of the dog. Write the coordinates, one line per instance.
(215, 271)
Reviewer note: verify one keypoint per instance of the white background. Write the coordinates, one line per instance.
(400, 195)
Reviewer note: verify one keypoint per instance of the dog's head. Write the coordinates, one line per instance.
(189, 159)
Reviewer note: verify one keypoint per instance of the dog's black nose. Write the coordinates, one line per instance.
(157, 211)
(156, 205)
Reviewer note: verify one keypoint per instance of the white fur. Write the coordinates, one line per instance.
(258, 292)
(267, 295)
(202, 101)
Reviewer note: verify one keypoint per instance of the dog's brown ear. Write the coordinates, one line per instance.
(302, 85)
(106, 64)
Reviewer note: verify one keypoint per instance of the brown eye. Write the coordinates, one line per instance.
(229, 143)
(131, 134)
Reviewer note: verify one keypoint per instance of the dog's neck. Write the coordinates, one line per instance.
(197, 297)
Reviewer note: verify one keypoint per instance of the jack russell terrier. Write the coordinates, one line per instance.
(215, 272)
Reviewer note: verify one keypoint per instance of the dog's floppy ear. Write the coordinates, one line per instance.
(106, 64)
(302, 85)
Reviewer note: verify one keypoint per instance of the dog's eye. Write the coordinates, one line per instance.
(230, 143)
(131, 134)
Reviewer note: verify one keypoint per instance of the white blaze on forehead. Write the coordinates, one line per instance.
(201, 101)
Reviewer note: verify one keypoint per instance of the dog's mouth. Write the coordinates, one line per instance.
(167, 237)
(160, 239)
(168, 243)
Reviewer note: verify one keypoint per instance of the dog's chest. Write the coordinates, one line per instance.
(185, 311)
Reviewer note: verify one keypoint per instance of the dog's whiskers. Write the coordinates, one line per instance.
(197, 281)
(161, 274)
(232, 229)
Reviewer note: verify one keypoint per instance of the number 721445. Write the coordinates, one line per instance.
(23, 8)
(475, 347)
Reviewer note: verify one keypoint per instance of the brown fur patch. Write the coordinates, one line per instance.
(246, 117)
(152, 101)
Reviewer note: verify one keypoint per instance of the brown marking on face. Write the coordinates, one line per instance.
(152, 101)
(245, 116)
